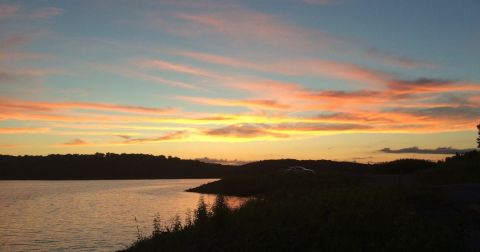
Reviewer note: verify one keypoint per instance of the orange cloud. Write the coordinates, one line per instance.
(167, 137)
(314, 67)
(338, 99)
(75, 142)
(243, 131)
(427, 85)
(9, 104)
(23, 130)
(310, 127)
(10, 146)
(338, 70)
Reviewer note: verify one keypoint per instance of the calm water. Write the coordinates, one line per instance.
(88, 215)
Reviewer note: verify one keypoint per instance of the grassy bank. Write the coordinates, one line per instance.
(329, 211)
(310, 214)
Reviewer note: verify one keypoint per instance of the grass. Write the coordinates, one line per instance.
(458, 169)
(323, 212)
(364, 209)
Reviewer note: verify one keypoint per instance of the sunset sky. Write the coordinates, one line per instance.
(349, 80)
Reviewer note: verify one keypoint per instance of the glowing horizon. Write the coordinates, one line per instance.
(240, 80)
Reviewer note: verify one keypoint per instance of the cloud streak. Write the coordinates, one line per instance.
(254, 104)
(23, 130)
(75, 143)
(243, 131)
(180, 68)
(167, 137)
(416, 150)
(31, 106)
(13, 11)
(8, 10)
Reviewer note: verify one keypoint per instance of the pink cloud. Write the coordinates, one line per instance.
(180, 68)
(44, 13)
(224, 60)
(313, 67)
(427, 85)
(396, 60)
(75, 142)
(15, 11)
(243, 131)
(9, 104)
(338, 70)
(242, 24)
(167, 137)
(9, 10)
(251, 103)
(128, 71)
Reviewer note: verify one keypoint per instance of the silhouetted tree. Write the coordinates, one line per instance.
(219, 211)
(201, 213)
(478, 139)
(106, 166)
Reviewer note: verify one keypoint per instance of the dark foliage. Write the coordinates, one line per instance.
(401, 166)
(461, 168)
(250, 185)
(106, 166)
(142, 166)
(478, 138)
(315, 213)
(269, 166)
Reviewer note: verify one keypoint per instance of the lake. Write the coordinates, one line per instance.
(94, 215)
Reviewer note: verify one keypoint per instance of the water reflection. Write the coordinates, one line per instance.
(90, 215)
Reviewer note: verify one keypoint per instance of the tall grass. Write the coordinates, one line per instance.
(311, 214)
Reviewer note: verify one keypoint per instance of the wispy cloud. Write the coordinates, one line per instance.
(312, 127)
(398, 60)
(75, 142)
(222, 161)
(180, 68)
(130, 72)
(44, 13)
(238, 25)
(9, 10)
(9, 75)
(319, 2)
(16, 11)
(167, 137)
(243, 131)
(226, 61)
(254, 104)
(291, 67)
(11, 146)
(23, 130)
(13, 40)
(34, 106)
(416, 150)
(430, 85)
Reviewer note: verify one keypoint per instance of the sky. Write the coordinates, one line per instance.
(354, 80)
